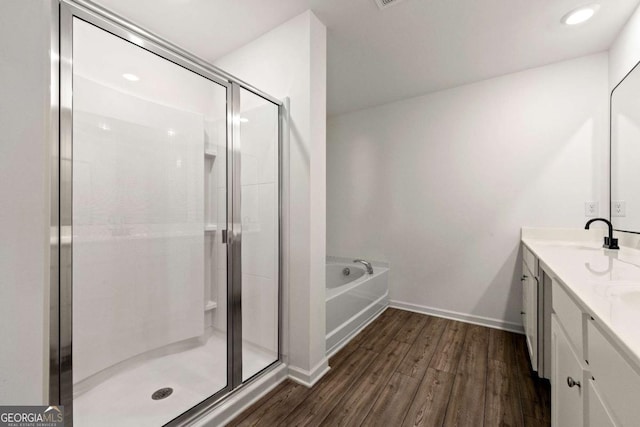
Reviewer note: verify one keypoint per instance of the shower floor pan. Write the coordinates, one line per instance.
(195, 374)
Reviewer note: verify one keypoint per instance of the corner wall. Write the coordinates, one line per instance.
(25, 73)
(290, 61)
(440, 185)
(624, 52)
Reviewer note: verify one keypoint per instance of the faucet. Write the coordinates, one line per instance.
(366, 264)
(609, 242)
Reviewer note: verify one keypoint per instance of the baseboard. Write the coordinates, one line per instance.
(462, 317)
(242, 399)
(309, 378)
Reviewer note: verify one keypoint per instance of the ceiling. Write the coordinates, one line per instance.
(412, 48)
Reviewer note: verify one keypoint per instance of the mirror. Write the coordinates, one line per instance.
(625, 153)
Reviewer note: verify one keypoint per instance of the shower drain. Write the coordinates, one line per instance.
(162, 393)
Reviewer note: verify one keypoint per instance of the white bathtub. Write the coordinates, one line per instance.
(353, 299)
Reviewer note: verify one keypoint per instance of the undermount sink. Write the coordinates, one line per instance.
(625, 290)
(617, 288)
(631, 297)
(623, 283)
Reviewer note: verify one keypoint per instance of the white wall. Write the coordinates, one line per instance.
(439, 185)
(25, 69)
(624, 52)
(290, 61)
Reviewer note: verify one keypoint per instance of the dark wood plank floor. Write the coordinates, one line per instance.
(409, 369)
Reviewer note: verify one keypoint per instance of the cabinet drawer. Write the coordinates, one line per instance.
(569, 315)
(617, 382)
(530, 260)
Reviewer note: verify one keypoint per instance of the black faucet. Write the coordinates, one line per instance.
(609, 242)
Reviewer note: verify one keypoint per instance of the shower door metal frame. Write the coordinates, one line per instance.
(61, 249)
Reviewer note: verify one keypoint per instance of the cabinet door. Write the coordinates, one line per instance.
(598, 413)
(618, 382)
(529, 313)
(532, 320)
(525, 298)
(566, 380)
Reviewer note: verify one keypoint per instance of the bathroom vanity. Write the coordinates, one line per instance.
(591, 329)
(581, 294)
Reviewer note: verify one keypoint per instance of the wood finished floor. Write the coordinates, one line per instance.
(409, 369)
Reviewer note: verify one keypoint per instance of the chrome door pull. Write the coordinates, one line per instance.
(224, 236)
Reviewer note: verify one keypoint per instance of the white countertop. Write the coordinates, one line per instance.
(605, 282)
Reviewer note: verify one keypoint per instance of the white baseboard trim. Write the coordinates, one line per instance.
(309, 378)
(462, 317)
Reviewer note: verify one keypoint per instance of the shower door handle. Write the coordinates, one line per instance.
(228, 237)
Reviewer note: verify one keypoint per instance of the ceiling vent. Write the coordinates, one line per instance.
(383, 4)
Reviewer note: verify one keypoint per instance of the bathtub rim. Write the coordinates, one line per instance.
(332, 293)
(379, 268)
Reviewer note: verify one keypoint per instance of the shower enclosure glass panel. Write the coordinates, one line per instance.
(260, 231)
(149, 275)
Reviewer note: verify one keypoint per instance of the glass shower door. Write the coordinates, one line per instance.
(259, 187)
(149, 202)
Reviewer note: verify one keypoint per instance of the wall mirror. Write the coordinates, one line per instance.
(625, 153)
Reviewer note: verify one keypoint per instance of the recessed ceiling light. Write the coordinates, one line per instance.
(580, 15)
(104, 126)
(171, 132)
(131, 77)
(244, 120)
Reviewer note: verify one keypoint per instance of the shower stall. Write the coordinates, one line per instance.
(166, 292)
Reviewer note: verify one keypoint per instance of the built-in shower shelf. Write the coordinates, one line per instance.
(210, 228)
(210, 305)
(209, 153)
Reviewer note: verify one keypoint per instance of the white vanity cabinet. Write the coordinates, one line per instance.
(592, 382)
(594, 327)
